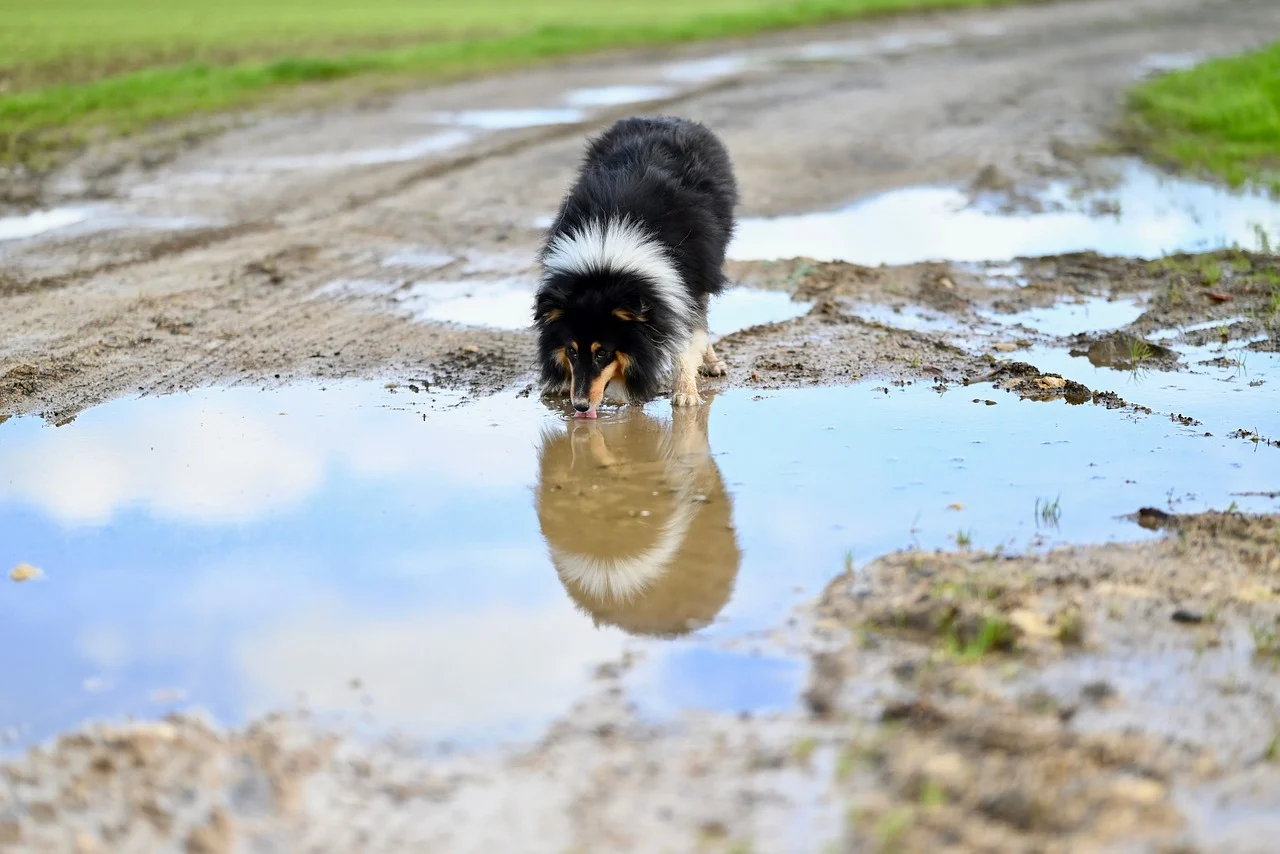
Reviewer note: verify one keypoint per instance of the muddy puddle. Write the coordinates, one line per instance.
(458, 569)
(85, 220)
(1145, 214)
(504, 302)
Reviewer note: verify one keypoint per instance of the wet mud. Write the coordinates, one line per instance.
(974, 548)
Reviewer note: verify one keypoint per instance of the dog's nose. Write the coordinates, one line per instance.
(582, 405)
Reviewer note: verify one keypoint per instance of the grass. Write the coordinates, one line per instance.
(1139, 353)
(1048, 513)
(996, 634)
(1221, 118)
(73, 69)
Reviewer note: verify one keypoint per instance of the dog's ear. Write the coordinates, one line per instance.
(632, 311)
(547, 308)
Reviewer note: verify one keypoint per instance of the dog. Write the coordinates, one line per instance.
(637, 521)
(630, 262)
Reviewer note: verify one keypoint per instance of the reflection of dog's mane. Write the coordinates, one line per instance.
(638, 522)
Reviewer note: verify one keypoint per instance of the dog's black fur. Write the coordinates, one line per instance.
(610, 310)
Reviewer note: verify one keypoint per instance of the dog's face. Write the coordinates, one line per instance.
(591, 336)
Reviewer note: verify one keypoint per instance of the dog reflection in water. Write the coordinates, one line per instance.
(638, 522)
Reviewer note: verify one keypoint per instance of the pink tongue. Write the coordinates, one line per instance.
(591, 413)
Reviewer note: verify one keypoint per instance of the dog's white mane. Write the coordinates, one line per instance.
(619, 245)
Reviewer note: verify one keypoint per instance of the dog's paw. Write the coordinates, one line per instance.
(686, 398)
(718, 368)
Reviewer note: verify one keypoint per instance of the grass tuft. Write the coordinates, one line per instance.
(1220, 118)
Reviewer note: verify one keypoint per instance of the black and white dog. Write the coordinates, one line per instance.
(630, 262)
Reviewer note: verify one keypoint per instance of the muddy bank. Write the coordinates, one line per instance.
(275, 320)
(957, 701)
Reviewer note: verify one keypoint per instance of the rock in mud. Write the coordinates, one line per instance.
(1124, 352)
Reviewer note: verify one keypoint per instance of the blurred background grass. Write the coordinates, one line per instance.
(72, 69)
(1221, 118)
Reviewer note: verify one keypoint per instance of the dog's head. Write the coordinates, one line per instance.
(594, 330)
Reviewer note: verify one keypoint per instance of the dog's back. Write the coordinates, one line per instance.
(669, 175)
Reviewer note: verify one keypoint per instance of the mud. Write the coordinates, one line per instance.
(354, 274)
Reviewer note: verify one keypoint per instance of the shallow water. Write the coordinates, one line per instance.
(404, 152)
(614, 96)
(511, 119)
(1146, 215)
(471, 562)
(1239, 396)
(508, 304)
(1087, 315)
(39, 222)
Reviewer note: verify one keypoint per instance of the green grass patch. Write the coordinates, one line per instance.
(1220, 118)
(70, 69)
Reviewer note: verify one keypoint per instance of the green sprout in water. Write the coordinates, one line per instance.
(1048, 513)
(1266, 642)
(1139, 352)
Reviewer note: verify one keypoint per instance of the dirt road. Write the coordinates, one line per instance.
(1097, 697)
(210, 261)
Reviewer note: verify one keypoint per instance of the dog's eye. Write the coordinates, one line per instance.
(573, 354)
(602, 357)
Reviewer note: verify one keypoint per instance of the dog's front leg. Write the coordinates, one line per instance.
(684, 385)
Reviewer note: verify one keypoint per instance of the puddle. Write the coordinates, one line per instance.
(1153, 215)
(706, 70)
(421, 260)
(1163, 63)
(470, 564)
(1088, 315)
(91, 219)
(1239, 395)
(912, 318)
(887, 45)
(507, 303)
(412, 150)
(511, 119)
(39, 222)
(614, 96)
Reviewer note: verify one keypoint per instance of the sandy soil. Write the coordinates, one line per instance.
(1016, 97)
(1116, 698)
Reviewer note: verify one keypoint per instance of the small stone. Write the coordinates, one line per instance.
(1184, 615)
(1138, 790)
(25, 572)
(1030, 623)
(1097, 692)
(949, 770)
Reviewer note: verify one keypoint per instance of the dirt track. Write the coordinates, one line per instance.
(961, 701)
(1017, 96)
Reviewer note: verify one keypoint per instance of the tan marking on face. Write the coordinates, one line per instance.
(629, 316)
(595, 347)
(598, 384)
(599, 449)
(624, 363)
(562, 356)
